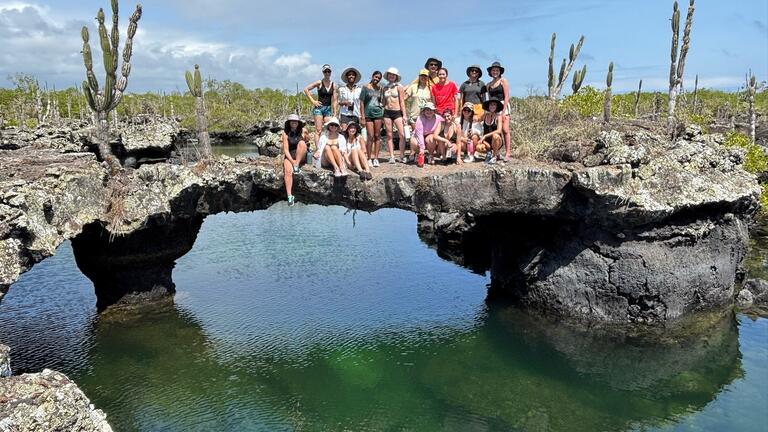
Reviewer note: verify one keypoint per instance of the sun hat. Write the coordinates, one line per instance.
(428, 105)
(351, 69)
(499, 104)
(469, 105)
(393, 70)
(293, 117)
(474, 66)
(424, 72)
(432, 59)
(326, 67)
(498, 65)
(331, 120)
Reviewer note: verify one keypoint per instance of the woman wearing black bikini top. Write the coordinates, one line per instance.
(498, 89)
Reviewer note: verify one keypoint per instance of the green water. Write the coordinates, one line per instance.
(298, 319)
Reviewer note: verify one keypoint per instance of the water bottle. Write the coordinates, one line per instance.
(309, 157)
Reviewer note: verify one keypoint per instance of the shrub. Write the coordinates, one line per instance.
(587, 102)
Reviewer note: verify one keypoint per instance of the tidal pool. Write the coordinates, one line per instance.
(312, 318)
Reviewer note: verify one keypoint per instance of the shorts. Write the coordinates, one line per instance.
(323, 110)
(393, 114)
(370, 119)
(346, 119)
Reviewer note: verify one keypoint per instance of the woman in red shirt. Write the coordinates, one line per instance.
(444, 93)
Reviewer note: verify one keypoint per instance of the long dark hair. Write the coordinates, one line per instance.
(287, 129)
(346, 131)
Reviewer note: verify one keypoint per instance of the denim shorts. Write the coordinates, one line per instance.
(322, 110)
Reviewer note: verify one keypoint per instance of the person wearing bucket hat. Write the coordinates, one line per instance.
(417, 95)
(323, 106)
(372, 116)
(433, 65)
(294, 139)
(423, 137)
(330, 148)
(473, 90)
(349, 97)
(498, 88)
(355, 154)
(490, 140)
(394, 112)
(445, 92)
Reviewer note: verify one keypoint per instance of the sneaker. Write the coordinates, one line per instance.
(392, 160)
(370, 162)
(404, 160)
(448, 154)
(376, 163)
(488, 156)
(296, 169)
(469, 159)
(492, 160)
(420, 160)
(291, 200)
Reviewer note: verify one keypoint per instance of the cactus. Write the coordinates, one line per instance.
(608, 94)
(555, 86)
(751, 89)
(637, 97)
(104, 99)
(696, 94)
(677, 63)
(195, 84)
(578, 79)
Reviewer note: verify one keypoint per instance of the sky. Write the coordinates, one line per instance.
(282, 44)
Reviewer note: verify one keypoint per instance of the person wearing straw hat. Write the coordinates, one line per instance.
(394, 112)
(331, 147)
(498, 88)
(423, 138)
(349, 97)
(294, 140)
(490, 140)
(473, 90)
(417, 95)
(323, 106)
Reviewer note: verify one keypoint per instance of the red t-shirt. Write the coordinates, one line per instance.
(445, 96)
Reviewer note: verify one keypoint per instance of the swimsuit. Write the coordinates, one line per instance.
(324, 96)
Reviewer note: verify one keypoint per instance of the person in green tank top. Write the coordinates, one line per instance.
(372, 115)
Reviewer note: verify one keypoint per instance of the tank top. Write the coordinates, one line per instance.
(488, 128)
(324, 95)
(496, 93)
(293, 140)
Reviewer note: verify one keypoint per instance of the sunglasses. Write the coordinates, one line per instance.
(432, 64)
(333, 125)
(326, 71)
(466, 110)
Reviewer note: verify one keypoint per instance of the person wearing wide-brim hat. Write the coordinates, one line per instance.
(349, 97)
(394, 112)
(294, 139)
(490, 141)
(423, 140)
(433, 65)
(326, 102)
(330, 148)
(473, 90)
(498, 88)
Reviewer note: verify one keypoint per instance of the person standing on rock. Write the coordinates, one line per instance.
(372, 114)
(349, 98)
(473, 90)
(294, 140)
(498, 88)
(432, 65)
(444, 93)
(324, 105)
(394, 113)
(417, 95)
(355, 154)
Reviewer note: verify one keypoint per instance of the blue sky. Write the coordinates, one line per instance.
(280, 44)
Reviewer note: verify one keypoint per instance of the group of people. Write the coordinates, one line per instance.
(437, 119)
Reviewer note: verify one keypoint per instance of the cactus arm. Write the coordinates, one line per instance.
(675, 39)
(686, 42)
(572, 59)
(551, 75)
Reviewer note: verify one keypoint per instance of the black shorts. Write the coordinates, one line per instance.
(346, 119)
(393, 114)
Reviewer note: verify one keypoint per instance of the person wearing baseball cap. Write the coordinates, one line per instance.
(417, 95)
(423, 138)
(323, 106)
(473, 90)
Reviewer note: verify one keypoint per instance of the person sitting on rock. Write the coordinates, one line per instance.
(355, 154)
(423, 138)
(294, 139)
(330, 148)
(447, 139)
(490, 141)
(469, 130)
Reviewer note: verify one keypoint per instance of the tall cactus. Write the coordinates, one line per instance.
(696, 94)
(102, 100)
(556, 85)
(608, 94)
(578, 79)
(677, 63)
(751, 88)
(195, 84)
(637, 96)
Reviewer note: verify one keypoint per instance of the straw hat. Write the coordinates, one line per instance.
(351, 69)
(293, 117)
(330, 121)
(477, 68)
(393, 70)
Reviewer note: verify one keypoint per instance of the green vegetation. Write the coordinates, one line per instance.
(755, 161)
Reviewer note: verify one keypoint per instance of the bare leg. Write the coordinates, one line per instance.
(496, 144)
(369, 143)
(336, 153)
(361, 159)
(301, 152)
(390, 140)
(414, 146)
(376, 138)
(429, 143)
(507, 136)
(328, 158)
(401, 135)
(318, 128)
(288, 176)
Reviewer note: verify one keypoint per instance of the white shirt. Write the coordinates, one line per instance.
(353, 95)
(321, 146)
